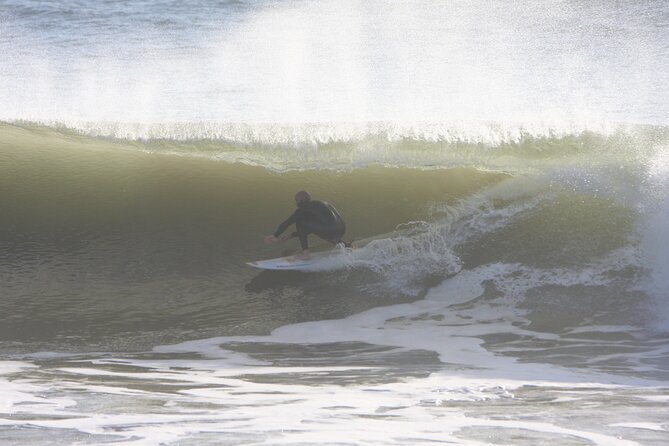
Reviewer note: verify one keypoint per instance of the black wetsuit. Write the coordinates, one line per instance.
(315, 217)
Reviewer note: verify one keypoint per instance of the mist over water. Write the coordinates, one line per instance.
(502, 170)
(334, 61)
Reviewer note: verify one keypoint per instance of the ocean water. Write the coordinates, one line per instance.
(502, 167)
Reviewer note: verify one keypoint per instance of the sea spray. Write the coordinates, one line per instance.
(654, 229)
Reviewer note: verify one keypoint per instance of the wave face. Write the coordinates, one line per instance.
(107, 220)
(502, 169)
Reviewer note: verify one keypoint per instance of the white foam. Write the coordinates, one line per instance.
(367, 136)
(441, 407)
(429, 409)
(431, 324)
(232, 396)
(19, 395)
(416, 250)
(649, 426)
(10, 367)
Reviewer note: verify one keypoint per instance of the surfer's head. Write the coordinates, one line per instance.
(302, 197)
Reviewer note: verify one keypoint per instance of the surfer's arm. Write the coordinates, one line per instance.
(283, 226)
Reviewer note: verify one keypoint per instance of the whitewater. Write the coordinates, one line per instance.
(502, 167)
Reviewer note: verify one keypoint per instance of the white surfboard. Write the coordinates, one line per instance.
(318, 261)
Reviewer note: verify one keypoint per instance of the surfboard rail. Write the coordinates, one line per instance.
(292, 263)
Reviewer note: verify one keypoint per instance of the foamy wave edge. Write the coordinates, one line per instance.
(317, 133)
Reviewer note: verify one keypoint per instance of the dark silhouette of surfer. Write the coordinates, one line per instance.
(311, 217)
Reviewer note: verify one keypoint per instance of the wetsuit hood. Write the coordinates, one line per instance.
(302, 197)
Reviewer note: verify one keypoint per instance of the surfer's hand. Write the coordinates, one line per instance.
(284, 237)
(270, 239)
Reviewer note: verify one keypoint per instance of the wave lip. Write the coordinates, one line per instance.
(491, 133)
(502, 146)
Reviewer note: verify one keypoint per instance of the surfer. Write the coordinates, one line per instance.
(311, 217)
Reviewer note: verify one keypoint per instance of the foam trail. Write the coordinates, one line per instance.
(430, 247)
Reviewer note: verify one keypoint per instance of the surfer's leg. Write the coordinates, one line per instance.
(332, 234)
(302, 232)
